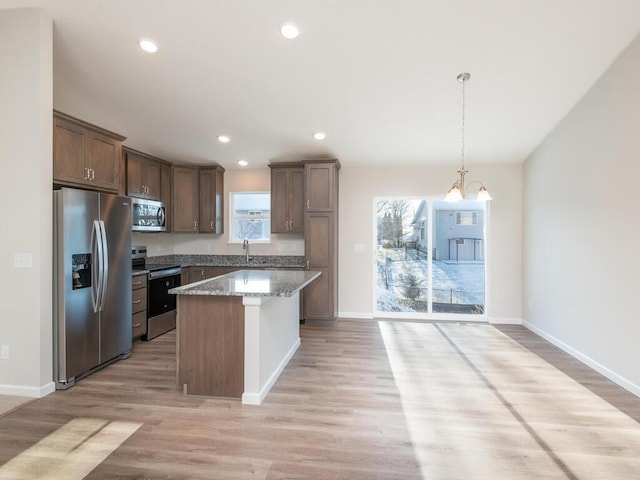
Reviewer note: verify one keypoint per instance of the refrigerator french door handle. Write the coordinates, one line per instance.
(95, 265)
(105, 264)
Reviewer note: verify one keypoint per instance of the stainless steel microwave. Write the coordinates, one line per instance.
(147, 216)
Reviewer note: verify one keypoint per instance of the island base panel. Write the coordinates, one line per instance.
(211, 345)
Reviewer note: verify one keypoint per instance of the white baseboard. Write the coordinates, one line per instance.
(598, 367)
(31, 392)
(505, 321)
(356, 315)
(257, 398)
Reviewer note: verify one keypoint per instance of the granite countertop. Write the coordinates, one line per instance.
(251, 283)
(264, 261)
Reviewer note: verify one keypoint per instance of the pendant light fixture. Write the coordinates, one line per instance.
(457, 191)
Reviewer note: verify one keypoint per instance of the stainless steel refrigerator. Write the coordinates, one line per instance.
(92, 282)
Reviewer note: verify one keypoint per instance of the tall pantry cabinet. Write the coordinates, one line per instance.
(320, 298)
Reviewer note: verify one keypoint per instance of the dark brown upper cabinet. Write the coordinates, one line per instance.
(287, 198)
(185, 199)
(211, 193)
(321, 188)
(144, 178)
(85, 155)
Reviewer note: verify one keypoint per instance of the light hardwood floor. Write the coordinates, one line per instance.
(360, 400)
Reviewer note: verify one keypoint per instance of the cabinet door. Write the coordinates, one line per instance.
(68, 151)
(185, 199)
(134, 175)
(296, 201)
(317, 304)
(287, 200)
(143, 176)
(320, 185)
(152, 179)
(279, 200)
(197, 273)
(103, 155)
(85, 155)
(211, 200)
(184, 275)
(217, 271)
(320, 296)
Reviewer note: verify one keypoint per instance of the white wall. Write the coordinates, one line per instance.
(26, 94)
(256, 180)
(358, 188)
(582, 227)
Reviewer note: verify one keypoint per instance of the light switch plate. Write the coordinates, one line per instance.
(22, 260)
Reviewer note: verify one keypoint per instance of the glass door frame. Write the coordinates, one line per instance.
(430, 315)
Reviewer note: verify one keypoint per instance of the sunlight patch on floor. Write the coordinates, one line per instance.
(479, 405)
(69, 453)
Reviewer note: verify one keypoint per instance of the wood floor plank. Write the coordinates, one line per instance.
(361, 400)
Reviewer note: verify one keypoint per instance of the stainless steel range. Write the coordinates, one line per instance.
(161, 306)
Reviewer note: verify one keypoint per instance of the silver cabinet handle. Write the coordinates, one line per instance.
(86, 173)
(211, 225)
(93, 174)
(135, 325)
(307, 264)
(195, 225)
(135, 302)
(137, 283)
(202, 273)
(307, 203)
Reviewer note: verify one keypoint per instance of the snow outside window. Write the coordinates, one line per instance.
(249, 217)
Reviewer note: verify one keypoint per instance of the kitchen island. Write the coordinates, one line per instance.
(237, 332)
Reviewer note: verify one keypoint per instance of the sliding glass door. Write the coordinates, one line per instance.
(429, 258)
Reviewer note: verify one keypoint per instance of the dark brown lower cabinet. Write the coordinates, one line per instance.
(321, 296)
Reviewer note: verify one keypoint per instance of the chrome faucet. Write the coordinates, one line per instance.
(245, 246)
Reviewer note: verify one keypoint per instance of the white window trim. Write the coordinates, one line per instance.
(231, 239)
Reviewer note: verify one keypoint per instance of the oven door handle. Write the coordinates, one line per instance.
(169, 272)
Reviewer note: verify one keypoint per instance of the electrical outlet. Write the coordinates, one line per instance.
(22, 260)
(4, 352)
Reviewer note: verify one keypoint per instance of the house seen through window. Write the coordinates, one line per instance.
(429, 258)
(249, 216)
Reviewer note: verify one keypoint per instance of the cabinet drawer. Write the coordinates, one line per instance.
(139, 323)
(139, 281)
(139, 300)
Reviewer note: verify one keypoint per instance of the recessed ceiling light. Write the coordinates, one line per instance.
(243, 163)
(319, 135)
(148, 46)
(289, 30)
(223, 139)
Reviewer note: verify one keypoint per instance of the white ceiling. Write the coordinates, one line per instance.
(378, 76)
